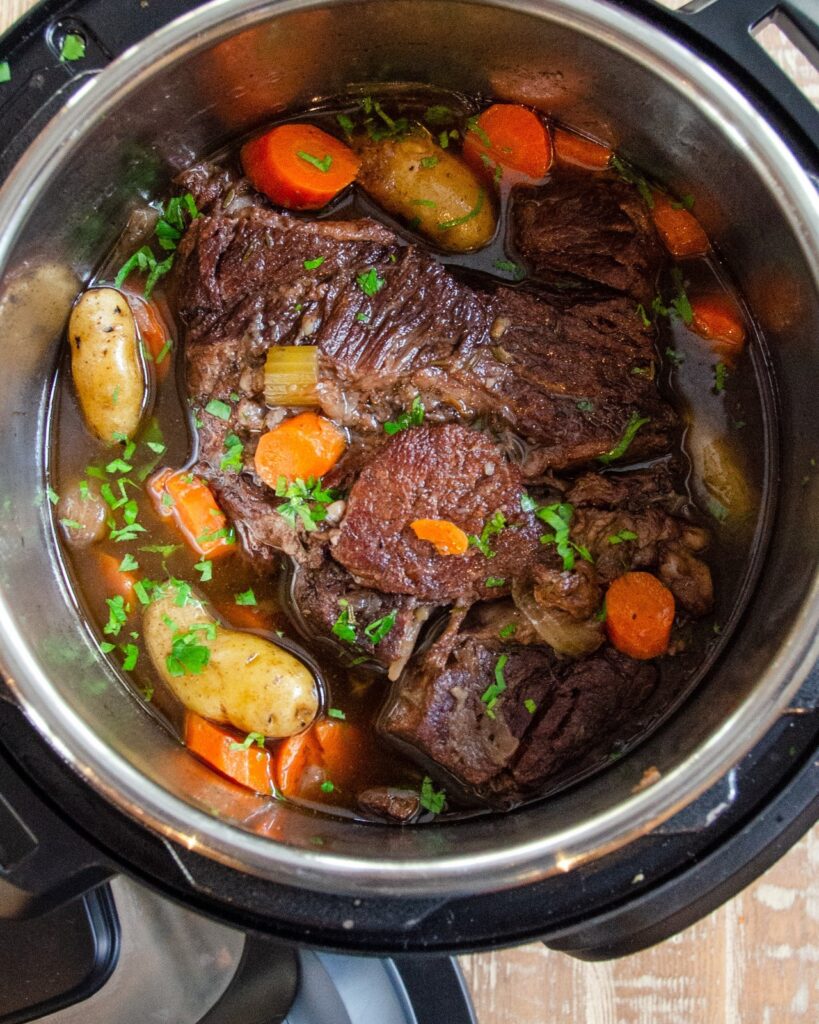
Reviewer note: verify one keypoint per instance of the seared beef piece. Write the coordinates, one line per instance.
(556, 381)
(436, 712)
(577, 592)
(318, 590)
(448, 473)
(593, 227)
(632, 492)
(393, 804)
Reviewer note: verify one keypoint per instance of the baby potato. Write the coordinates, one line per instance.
(105, 363)
(412, 177)
(226, 675)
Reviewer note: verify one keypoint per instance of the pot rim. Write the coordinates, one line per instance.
(146, 801)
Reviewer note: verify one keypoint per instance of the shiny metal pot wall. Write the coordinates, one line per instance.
(226, 68)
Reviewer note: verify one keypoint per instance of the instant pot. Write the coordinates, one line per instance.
(93, 789)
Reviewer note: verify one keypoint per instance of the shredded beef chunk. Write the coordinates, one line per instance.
(592, 227)
(392, 804)
(554, 379)
(503, 746)
(445, 473)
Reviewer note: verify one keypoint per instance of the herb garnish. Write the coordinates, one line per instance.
(327, 786)
(378, 628)
(473, 126)
(52, 495)
(635, 422)
(494, 581)
(621, 536)
(346, 124)
(509, 630)
(527, 503)
(221, 410)
(559, 517)
(344, 626)
(438, 114)
(234, 450)
(246, 598)
(641, 312)
(428, 162)
(633, 177)
(131, 652)
(336, 713)
(188, 656)
(369, 282)
(5, 71)
(720, 376)
(117, 615)
(530, 705)
(431, 800)
(168, 231)
(313, 264)
(584, 405)
(362, 318)
(73, 47)
(306, 501)
(413, 418)
(446, 225)
(324, 164)
(205, 570)
(492, 693)
(128, 563)
(492, 527)
(510, 268)
(248, 741)
(686, 203)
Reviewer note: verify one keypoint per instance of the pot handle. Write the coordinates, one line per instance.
(723, 34)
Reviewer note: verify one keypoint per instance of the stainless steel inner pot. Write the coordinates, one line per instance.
(222, 70)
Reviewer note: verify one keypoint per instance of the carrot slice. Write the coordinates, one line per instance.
(716, 318)
(299, 166)
(329, 751)
(575, 151)
(187, 500)
(153, 333)
(116, 582)
(251, 767)
(512, 136)
(304, 446)
(448, 538)
(639, 615)
(246, 616)
(679, 230)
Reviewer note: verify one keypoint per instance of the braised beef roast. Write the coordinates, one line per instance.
(518, 385)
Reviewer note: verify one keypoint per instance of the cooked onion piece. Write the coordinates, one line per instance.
(561, 632)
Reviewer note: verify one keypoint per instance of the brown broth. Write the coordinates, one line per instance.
(733, 420)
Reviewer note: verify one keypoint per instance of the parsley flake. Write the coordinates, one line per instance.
(53, 497)
(494, 581)
(131, 652)
(447, 225)
(431, 800)
(530, 705)
(492, 527)
(117, 615)
(233, 459)
(344, 626)
(559, 517)
(314, 264)
(619, 450)
(369, 282)
(205, 570)
(324, 164)
(428, 162)
(621, 536)
(247, 598)
(336, 713)
(188, 656)
(327, 786)
(248, 741)
(492, 693)
(508, 631)
(379, 628)
(128, 563)
(720, 377)
(73, 47)
(5, 71)
(413, 418)
(306, 502)
(221, 410)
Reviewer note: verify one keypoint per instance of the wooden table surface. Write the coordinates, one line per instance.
(753, 961)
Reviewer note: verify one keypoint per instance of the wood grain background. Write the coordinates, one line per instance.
(754, 961)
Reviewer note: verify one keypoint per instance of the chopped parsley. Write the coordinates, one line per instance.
(633, 177)
(527, 503)
(447, 225)
(363, 318)
(422, 202)
(128, 563)
(205, 570)
(431, 800)
(674, 357)
(412, 418)
(173, 219)
(621, 536)
(118, 466)
(530, 705)
(327, 786)
(166, 550)
(619, 450)
(369, 282)
(493, 526)
(344, 626)
(246, 598)
(306, 502)
(686, 203)
(346, 124)
(494, 581)
(473, 126)
(234, 451)
(378, 629)
(157, 447)
(248, 741)
(559, 517)
(131, 652)
(313, 264)
(324, 164)
(73, 47)
(720, 377)
(508, 631)
(336, 713)
(644, 317)
(492, 693)
(443, 140)
(428, 162)
(188, 656)
(680, 304)
(584, 405)
(117, 615)
(439, 114)
(221, 410)
(53, 497)
(5, 71)
(510, 268)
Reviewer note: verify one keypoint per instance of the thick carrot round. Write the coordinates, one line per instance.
(639, 615)
(679, 230)
(251, 767)
(448, 538)
(574, 151)
(327, 752)
(189, 501)
(299, 166)
(716, 318)
(116, 582)
(304, 446)
(153, 333)
(511, 136)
